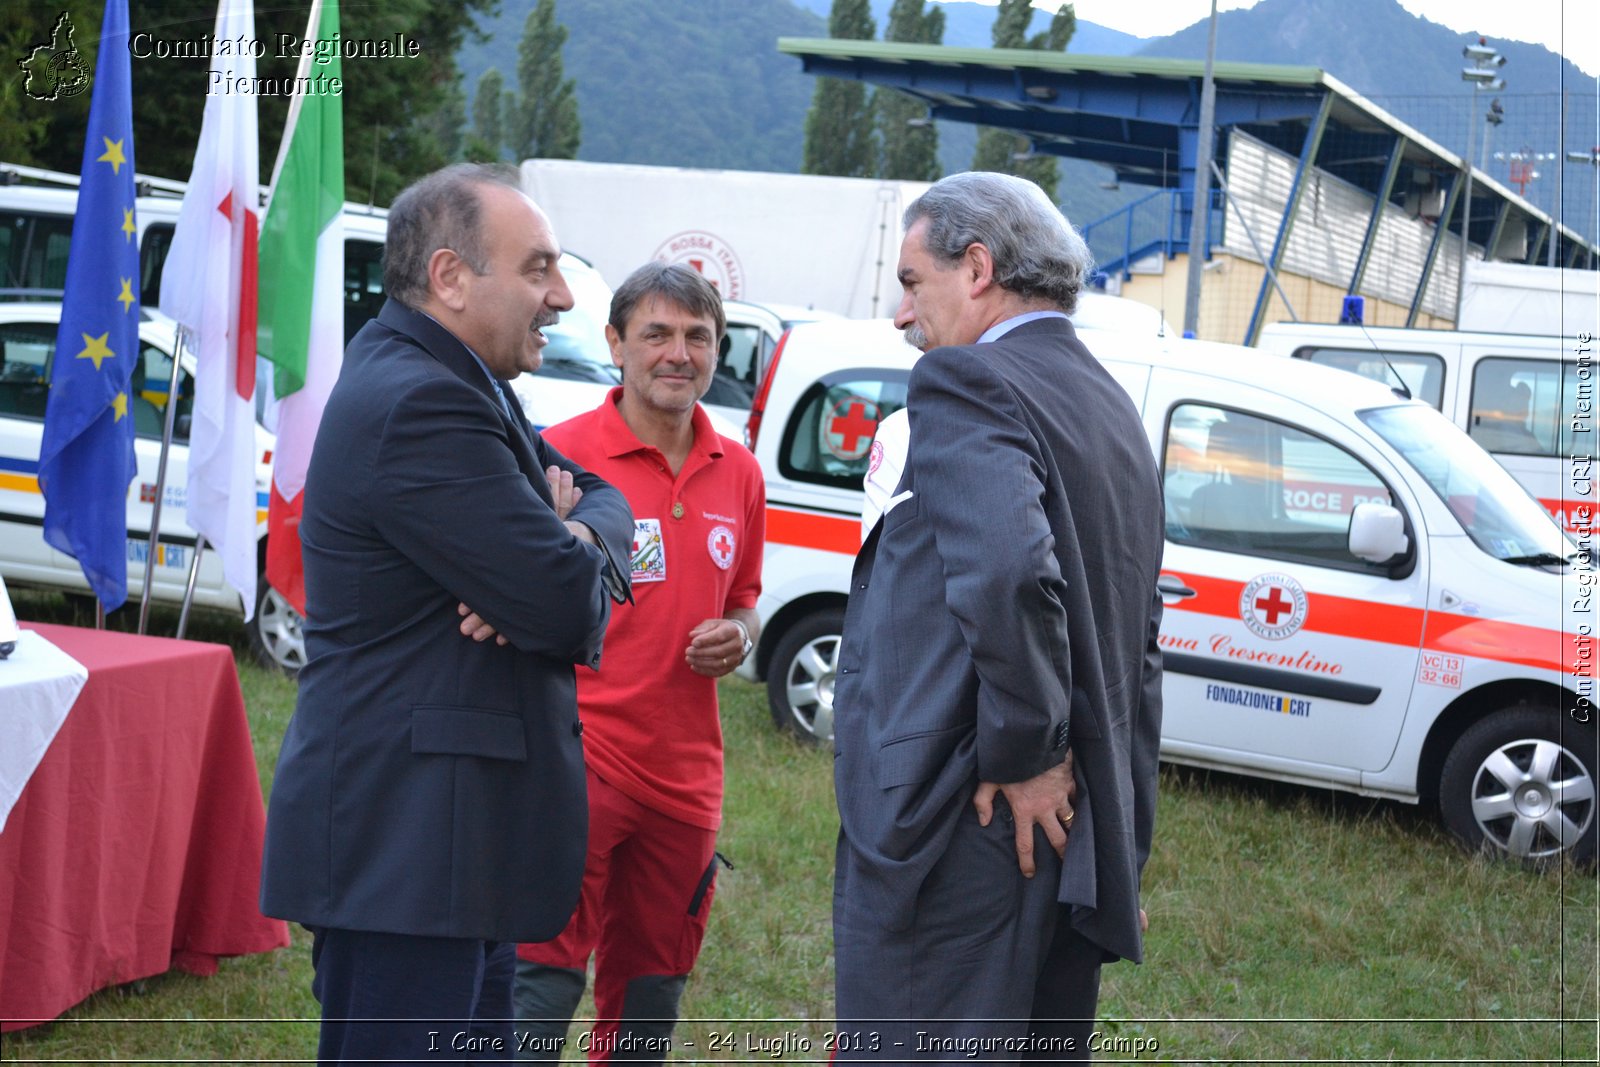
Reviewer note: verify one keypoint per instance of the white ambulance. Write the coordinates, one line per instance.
(1520, 396)
(1358, 596)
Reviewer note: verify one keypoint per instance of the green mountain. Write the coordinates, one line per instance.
(968, 25)
(700, 83)
(687, 83)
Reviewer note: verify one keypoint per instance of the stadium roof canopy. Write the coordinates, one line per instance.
(1140, 117)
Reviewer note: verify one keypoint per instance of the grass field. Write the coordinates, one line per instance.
(1286, 925)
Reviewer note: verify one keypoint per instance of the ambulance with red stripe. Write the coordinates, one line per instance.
(1358, 596)
(1520, 396)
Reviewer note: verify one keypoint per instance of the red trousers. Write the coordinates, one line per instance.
(647, 890)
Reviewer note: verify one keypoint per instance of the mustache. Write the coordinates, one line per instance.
(915, 337)
(546, 318)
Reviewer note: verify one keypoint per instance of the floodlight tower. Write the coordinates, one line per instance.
(1591, 157)
(1483, 75)
(1491, 118)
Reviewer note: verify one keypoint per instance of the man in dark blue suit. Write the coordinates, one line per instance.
(998, 702)
(429, 811)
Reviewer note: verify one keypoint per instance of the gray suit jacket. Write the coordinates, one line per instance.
(429, 784)
(1007, 609)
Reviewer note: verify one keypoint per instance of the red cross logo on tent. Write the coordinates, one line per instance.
(850, 426)
(707, 254)
(721, 544)
(1273, 606)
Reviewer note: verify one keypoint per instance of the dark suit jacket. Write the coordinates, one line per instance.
(429, 784)
(1007, 608)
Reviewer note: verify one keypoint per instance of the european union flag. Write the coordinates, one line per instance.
(86, 460)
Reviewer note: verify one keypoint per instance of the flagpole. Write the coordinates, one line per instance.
(161, 491)
(188, 591)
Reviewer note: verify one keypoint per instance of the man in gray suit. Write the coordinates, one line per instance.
(999, 685)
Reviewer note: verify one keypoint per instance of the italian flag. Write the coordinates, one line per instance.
(302, 296)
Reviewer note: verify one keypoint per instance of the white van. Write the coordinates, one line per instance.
(753, 334)
(1517, 395)
(1358, 596)
(27, 345)
(36, 213)
(573, 381)
(37, 209)
(35, 235)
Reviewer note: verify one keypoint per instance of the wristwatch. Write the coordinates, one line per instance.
(744, 651)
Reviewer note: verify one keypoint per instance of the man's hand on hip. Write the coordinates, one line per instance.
(1044, 800)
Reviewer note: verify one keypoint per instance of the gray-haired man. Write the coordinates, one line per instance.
(998, 697)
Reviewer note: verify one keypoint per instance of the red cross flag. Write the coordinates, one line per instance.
(209, 287)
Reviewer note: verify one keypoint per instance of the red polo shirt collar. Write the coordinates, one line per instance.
(618, 438)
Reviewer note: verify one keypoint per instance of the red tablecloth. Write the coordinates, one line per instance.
(136, 845)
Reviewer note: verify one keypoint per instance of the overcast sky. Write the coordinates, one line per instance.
(1570, 27)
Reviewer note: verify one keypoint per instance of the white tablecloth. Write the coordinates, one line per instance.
(38, 685)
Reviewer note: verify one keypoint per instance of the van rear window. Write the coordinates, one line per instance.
(33, 251)
(1421, 372)
(829, 436)
(1523, 407)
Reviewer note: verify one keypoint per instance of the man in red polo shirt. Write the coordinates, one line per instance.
(652, 737)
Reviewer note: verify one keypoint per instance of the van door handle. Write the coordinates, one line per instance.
(1174, 587)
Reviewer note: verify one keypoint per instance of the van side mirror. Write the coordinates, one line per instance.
(1377, 533)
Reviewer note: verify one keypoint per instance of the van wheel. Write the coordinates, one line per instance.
(800, 682)
(277, 631)
(1521, 784)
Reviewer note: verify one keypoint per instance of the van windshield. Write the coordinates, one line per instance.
(577, 349)
(1493, 508)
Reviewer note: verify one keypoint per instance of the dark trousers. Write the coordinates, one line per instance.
(1066, 996)
(395, 998)
(956, 976)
